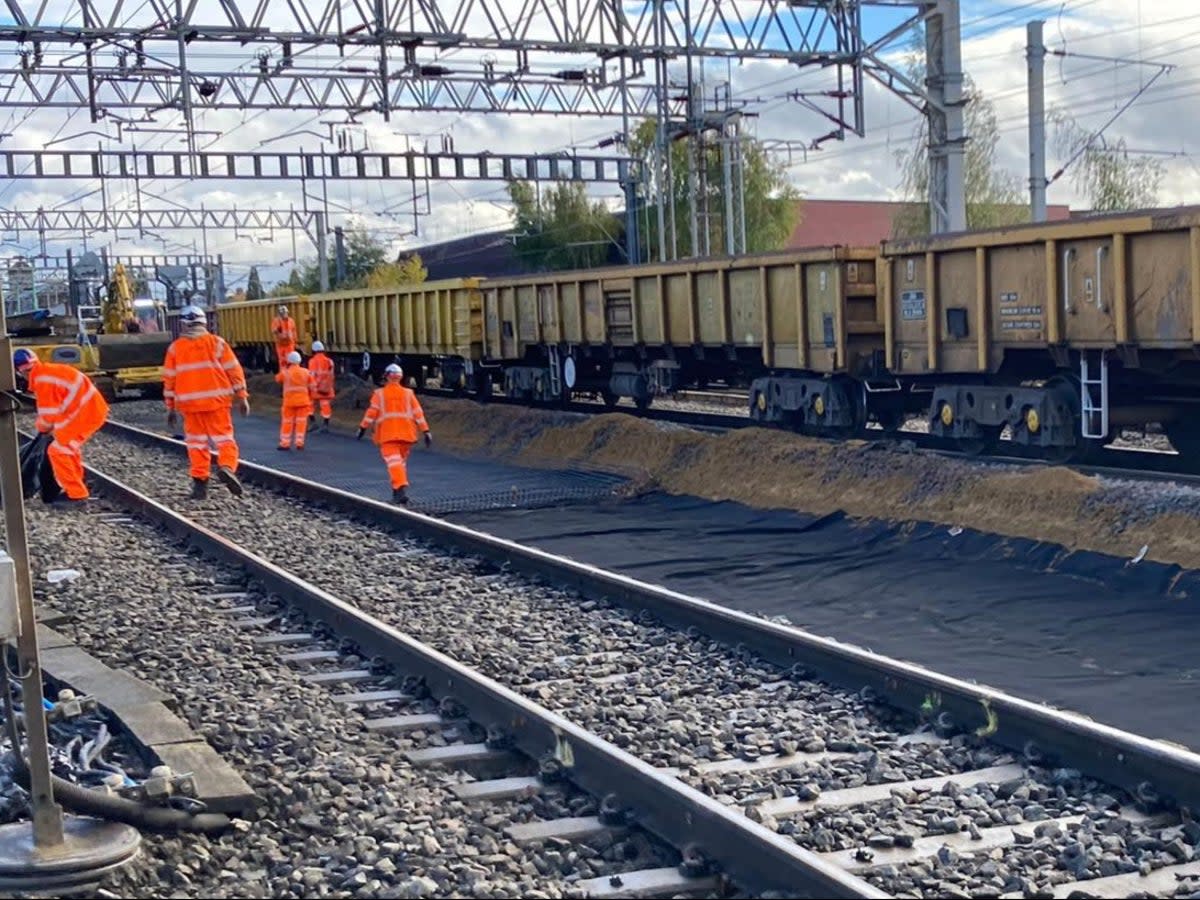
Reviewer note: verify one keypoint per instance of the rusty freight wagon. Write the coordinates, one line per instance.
(1062, 333)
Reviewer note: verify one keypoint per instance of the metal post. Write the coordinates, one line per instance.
(339, 248)
(1035, 54)
(632, 253)
(741, 180)
(947, 138)
(322, 251)
(47, 815)
(727, 181)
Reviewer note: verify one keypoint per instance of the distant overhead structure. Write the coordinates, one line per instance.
(120, 59)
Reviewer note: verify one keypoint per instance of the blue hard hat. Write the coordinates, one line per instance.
(23, 358)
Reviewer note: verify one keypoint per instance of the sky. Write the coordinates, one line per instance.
(1103, 53)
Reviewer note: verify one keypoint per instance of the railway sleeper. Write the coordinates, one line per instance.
(1037, 416)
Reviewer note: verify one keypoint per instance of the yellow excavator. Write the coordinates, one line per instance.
(120, 343)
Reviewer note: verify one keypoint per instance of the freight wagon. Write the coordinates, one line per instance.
(644, 331)
(433, 326)
(1060, 334)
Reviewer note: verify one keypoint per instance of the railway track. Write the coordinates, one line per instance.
(1131, 463)
(782, 760)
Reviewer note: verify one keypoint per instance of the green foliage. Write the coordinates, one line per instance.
(364, 254)
(409, 270)
(254, 287)
(772, 202)
(994, 196)
(1106, 173)
(560, 228)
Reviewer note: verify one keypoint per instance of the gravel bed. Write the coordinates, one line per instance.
(688, 699)
(343, 814)
(674, 698)
(1100, 846)
(1140, 502)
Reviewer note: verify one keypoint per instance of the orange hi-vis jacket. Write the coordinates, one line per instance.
(396, 414)
(298, 386)
(201, 374)
(68, 404)
(284, 330)
(321, 367)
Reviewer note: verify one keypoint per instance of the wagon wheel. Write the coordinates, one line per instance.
(987, 442)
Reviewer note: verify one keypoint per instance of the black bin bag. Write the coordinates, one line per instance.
(36, 473)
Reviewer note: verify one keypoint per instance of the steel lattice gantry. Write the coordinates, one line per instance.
(513, 56)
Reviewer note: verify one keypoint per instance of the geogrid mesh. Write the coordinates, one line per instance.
(439, 483)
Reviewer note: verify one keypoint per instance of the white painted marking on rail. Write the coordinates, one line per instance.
(873, 793)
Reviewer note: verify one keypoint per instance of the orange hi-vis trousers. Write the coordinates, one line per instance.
(66, 461)
(293, 418)
(395, 455)
(326, 408)
(201, 428)
(281, 352)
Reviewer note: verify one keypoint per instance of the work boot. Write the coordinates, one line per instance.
(283, 448)
(199, 488)
(299, 446)
(230, 480)
(324, 424)
(400, 495)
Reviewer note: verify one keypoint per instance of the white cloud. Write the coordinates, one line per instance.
(857, 168)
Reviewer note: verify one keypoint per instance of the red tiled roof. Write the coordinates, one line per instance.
(859, 223)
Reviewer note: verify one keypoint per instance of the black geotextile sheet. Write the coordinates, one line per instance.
(1081, 631)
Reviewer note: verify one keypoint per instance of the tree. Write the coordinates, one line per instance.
(560, 228)
(364, 254)
(254, 288)
(994, 196)
(409, 270)
(1105, 172)
(772, 203)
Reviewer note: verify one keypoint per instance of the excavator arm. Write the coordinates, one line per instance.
(118, 305)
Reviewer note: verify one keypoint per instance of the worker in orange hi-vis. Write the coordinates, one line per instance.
(397, 416)
(298, 388)
(321, 367)
(283, 327)
(201, 377)
(71, 409)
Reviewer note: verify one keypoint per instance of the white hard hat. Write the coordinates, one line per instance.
(318, 347)
(293, 358)
(393, 371)
(282, 309)
(193, 314)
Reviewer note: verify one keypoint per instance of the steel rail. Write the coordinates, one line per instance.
(1143, 766)
(752, 856)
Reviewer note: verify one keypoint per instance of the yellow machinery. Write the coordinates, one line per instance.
(120, 344)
